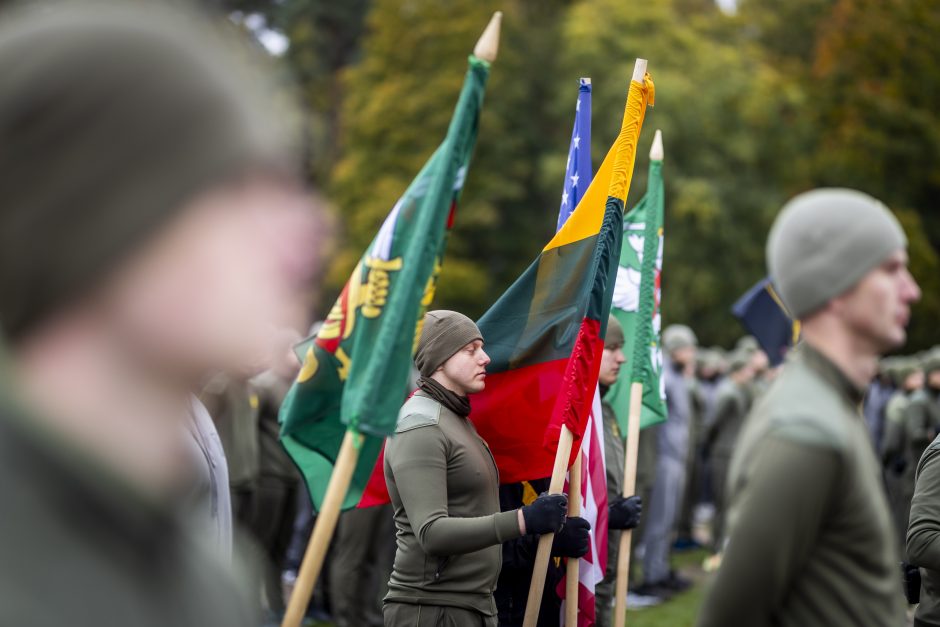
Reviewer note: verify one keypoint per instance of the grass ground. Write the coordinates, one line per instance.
(682, 609)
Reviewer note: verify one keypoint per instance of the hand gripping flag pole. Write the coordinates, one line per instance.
(616, 197)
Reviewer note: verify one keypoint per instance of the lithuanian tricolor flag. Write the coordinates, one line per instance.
(545, 335)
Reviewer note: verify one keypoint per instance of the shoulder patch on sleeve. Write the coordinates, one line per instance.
(417, 412)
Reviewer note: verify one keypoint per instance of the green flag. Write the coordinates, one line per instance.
(355, 370)
(636, 306)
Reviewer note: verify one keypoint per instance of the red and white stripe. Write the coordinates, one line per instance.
(592, 566)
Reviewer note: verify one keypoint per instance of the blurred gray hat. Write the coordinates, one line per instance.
(112, 117)
(677, 336)
(824, 241)
(614, 337)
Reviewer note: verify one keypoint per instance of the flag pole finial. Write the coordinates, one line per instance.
(656, 152)
(488, 45)
(639, 70)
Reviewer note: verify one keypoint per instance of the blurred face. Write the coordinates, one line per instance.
(743, 375)
(759, 362)
(611, 360)
(465, 372)
(878, 308)
(914, 381)
(684, 356)
(933, 380)
(204, 294)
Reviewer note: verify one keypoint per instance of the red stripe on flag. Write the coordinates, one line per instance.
(511, 415)
(376, 492)
(576, 394)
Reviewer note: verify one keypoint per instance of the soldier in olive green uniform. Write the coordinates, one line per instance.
(278, 483)
(902, 445)
(444, 488)
(233, 404)
(810, 538)
(923, 536)
(624, 513)
(724, 426)
(134, 139)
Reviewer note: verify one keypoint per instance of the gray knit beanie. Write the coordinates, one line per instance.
(443, 334)
(677, 336)
(614, 337)
(824, 241)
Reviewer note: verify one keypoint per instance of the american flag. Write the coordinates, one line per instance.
(591, 567)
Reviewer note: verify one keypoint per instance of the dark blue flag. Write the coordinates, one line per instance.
(763, 314)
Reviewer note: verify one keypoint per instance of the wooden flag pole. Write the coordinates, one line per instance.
(629, 486)
(540, 570)
(572, 579)
(486, 49)
(630, 459)
(323, 529)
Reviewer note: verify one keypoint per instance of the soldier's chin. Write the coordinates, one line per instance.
(894, 340)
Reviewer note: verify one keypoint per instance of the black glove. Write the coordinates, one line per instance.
(899, 464)
(546, 514)
(573, 540)
(625, 512)
(910, 577)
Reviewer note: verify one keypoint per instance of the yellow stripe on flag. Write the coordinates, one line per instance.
(615, 174)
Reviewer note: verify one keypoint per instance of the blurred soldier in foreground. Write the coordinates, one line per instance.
(148, 235)
(923, 534)
(810, 537)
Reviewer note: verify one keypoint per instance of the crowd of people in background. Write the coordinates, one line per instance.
(111, 325)
(682, 470)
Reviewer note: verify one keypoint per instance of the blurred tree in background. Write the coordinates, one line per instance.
(780, 97)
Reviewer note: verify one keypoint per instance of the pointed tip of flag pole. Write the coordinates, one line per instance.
(639, 70)
(488, 45)
(656, 152)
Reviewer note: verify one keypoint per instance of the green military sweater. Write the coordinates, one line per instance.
(444, 488)
(811, 540)
(923, 533)
(614, 452)
(79, 547)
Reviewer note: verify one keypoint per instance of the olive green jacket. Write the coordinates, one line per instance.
(80, 547)
(811, 541)
(893, 445)
(729, 413)
(444, 488)
(921, 424)
(233, 406)
(923, 533)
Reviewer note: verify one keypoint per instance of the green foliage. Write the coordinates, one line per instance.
(756, 107)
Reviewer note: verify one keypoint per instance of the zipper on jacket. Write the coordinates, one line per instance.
(440, 568)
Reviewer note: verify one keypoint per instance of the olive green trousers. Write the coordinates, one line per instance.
(408, 615)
